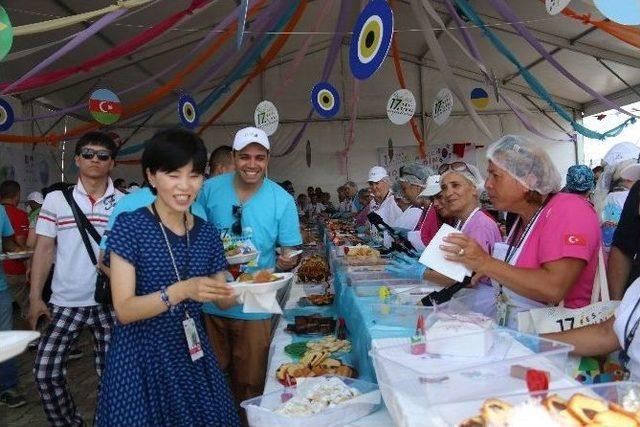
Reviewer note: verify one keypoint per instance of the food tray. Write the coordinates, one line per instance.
(411, 383)
(453, 413)
(260, 409)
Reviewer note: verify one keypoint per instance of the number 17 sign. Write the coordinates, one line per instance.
(266, 117)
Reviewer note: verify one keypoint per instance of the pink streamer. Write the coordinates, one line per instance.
(80, 38)
(116, 52)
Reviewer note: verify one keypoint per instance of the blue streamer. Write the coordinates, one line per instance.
(253, 55)
(533, 82)
(249, 60)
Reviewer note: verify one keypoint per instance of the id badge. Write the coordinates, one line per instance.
(502, 310)
(193, 340)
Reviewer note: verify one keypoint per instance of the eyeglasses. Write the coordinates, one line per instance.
(454, 166)
(236, 228)
(89, 154)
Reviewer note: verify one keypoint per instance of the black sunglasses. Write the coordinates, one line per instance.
(88, 154)
(236, 228)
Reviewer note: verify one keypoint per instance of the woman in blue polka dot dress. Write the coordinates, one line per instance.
(161, 370)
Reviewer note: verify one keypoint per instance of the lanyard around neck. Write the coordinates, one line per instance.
(460, 224)
(166, 240)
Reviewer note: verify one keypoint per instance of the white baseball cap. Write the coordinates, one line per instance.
(631, 171)
(35, 196)
(250, 135)
(432, 188)
(376, 173)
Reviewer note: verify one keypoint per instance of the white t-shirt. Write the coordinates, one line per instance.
(74, 278)
(622, 315)
(408, 219)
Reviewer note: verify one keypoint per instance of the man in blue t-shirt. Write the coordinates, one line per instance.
(247, 207)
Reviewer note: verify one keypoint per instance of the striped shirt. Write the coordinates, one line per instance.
(74, 277)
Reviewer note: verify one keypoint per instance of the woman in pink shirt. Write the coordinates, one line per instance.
(551, 255)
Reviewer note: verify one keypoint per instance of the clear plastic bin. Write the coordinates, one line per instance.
(371, 288)
(455, 412)
(412, 384)
(360, 276)
(405, 315)
(260, 409)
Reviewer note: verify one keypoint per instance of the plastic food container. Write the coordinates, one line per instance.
(371, 288)
(405, 315)
(454, 412)
(260, 410)
(413, 384)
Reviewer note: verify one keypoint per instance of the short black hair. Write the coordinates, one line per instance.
(9, 188)
(221, 156)
(132, 183)
(100, 139)
(598, 169)
(119, 181)
(171, 149)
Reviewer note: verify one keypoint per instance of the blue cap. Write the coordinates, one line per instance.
(580, 179)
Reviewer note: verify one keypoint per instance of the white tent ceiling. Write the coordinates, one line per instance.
(577, 47)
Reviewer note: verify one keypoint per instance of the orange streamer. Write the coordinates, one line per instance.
(261, 65)
(626, 33)
(403, 85)
(145, 102)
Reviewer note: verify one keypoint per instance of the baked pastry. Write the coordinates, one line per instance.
(495, 411)
(585, 408)
(558, 408)
(472, 422)
(614, 419)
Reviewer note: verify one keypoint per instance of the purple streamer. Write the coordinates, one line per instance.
(477, 57)
(210, 37)
(80, 38)
(508, 14)
(330, 61)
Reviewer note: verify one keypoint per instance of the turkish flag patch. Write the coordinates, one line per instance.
(575, 240)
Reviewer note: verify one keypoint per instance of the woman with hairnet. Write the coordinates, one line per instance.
(410, 215)
(461, 185)
(551, 254)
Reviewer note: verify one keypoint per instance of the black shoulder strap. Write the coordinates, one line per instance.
(81, 222)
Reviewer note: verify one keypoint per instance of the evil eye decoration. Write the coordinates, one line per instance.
(325, 99)
(188, 112)
(6, 115)
(371, 39)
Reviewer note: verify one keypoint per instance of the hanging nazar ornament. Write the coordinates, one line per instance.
(371, 39)
(308, 153)
(188, 112)
(6, 115)
(325, 99)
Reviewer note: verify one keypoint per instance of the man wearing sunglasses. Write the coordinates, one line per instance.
(72, 305)
(249, 209)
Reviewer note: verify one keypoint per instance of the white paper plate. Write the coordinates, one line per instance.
(242, 258)
(12, 343)
(16, 255)
(260, 288)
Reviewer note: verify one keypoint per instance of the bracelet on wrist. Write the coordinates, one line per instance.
(165, 298)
